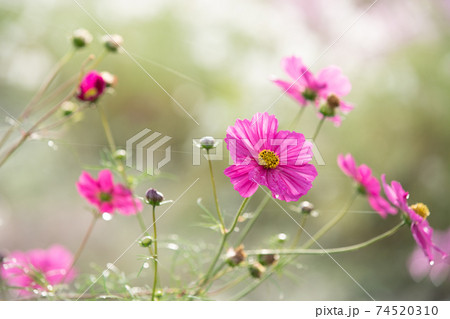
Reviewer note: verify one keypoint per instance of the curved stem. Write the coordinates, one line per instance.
(345, 249)
(222, 223)
(255, 216)
(155, 256)
(77, 255)
(297, 118)
(293, 253)
(319, 126)
(107, 129)
(304, 218)
(44, 86)
(322, 231)
(222, 243)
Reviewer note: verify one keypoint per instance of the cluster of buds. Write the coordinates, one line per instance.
(235, 256)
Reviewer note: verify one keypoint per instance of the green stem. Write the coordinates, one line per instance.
(66, 58)
(304, 218)
(38, 94)
(95, 217)
(107, 129)
(222, 223)
(296, 119)
(331, 223)
(255, 216)
(99, 59)
(222, 243)
(155, 256)
(329, 251)
(248, 226)
(293, 253)
(143, 228)
(319, 126)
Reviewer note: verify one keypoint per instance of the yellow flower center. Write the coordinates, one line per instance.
(421, 210)
(90, 93)
(268, 159)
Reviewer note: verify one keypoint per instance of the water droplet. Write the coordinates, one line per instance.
(10, 121)
(35, 136)
(145, 265)
(172, 246)
(44, 294)
(236, 229)
(35, 291)
(431, 263)
(50, 287)
(107, 216)
(52, 145)
(282, 236)
(277, 196)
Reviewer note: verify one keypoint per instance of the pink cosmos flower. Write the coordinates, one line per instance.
(106, 195)
(420, 228)
(419, 264)
(367, 183)
(38, 268)
(329, 86)
(91, 87)
(264, 156)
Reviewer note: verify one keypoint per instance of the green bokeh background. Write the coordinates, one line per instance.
(216, 58)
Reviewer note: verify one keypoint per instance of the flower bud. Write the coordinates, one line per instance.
(281, 238)
(91, 87)
(333, 101)
(327, 110)
(267, 259)
(146, 241)
(207, 142)
(120, 155)
(154, 197)
(309, 94)
(110, 79)
(81, 38)
(256, 270)
(112, 42)
(236, 256)
(306, 207)
(68, 108)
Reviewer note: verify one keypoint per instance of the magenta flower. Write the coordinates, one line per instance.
(106, 195)
(367, 184)
(91, 87)
(330, 86)
(420, 228)
(419, 264)
(264, 156)
(38, 269)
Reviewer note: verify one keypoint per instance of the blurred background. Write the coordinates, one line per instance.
(216, 58)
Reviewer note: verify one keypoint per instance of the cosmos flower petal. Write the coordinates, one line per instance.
(336, 82)
(293, 89)
(239, 176)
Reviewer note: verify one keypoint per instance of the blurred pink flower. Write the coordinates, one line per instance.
(420, 228)
(38, 268)
(329, 87)
(265, 156)
(91, 87)
(106, 195)
(419, 264)
(367, 184)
